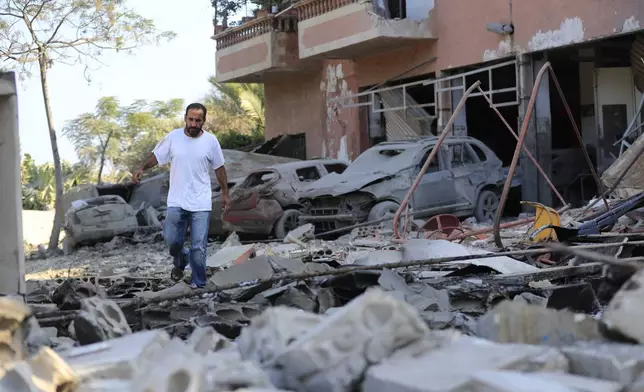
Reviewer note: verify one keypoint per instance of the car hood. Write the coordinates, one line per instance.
(334, 184)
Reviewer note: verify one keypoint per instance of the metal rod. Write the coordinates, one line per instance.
(578, 134)
(525, 149)
(432, 154)
(515, 157)
(283, 277)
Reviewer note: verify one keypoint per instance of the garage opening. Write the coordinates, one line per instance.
(482, 122)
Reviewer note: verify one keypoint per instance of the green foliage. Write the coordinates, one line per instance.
(71, 31)
(38, 185)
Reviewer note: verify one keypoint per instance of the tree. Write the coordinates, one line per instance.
(96, 136)
(224, 9)
(46, 32)
(236, 109)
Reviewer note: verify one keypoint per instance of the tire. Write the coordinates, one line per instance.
(287, 222)
(381, 209)
(486, 206)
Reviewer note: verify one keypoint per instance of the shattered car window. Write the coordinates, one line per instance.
(383, 159)
(460, 155)
(335, 168)
(308, 174)
(433, 166)
(479, 152)
(260, 178)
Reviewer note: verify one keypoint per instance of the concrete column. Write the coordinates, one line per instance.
(530, 182)
(12, 258)
(544, 131)
(443, 102)
(460, 123)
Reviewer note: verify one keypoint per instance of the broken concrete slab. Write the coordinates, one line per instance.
(114, 359)
(451, 368)
(229, 319)
(257, 268)
(625, 308)
(421, 249)
(99, 320)
(621, 363)
(506, 381)
(299, 298)
(230, 255)
(226, 371)
(300, 235)
(514, 322)
(422, 296)
(333, 355)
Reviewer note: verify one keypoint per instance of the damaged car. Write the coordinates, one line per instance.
(464, 179)
(266, 201)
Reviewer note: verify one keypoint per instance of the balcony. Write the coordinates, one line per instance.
(351, 28)
(256, 49)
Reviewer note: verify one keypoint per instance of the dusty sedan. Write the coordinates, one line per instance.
(464, 179)
(265, 202)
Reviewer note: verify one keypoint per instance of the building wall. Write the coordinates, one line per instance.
(298, 103)
(538, 25)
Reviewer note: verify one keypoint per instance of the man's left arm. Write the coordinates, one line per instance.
(222, 179)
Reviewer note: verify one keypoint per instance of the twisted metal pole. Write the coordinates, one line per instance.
(431, 156)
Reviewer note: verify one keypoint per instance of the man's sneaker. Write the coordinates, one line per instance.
(194, 286)
(176, 274)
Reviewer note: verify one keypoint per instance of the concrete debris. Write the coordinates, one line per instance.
(99, 320)
(304, 313)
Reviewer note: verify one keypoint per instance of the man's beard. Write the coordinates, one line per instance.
(193, 131)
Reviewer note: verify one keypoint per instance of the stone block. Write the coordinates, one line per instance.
(515, 322)
(99, 320)
(451, 367)
(624, 314)
(622, 363)
(333, 355)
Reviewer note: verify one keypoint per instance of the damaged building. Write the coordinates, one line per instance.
(341, 76)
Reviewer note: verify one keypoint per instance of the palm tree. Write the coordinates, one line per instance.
(239, 106)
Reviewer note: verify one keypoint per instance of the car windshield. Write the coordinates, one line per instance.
(386, 159)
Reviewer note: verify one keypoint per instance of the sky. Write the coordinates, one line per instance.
(178, 69)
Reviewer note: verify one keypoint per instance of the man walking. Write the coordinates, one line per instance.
(192, 152)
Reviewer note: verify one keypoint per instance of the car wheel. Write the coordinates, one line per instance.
(381, 209)
(486, 206)
(287, 222)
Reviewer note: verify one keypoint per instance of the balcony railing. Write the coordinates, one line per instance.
(312, 8)
(283, 23)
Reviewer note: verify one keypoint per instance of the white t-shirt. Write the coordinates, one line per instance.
(191, 161)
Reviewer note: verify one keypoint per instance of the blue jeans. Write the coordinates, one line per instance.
(174, 233)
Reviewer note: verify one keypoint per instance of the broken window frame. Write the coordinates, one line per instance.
(314, 167)
(353, 100)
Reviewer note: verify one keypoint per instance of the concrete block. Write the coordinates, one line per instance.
(116, 358)
(45, 372)
(270, 333)
(229, 319)
(515, 322)
(622, 363)
(333, 355)
(625, 312)
(205, 340)
(226, 371)
(230, 255)
(174, 367)
(14, 329)
(450, 368)
(99, 320)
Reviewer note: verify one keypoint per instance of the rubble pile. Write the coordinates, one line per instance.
(363, 312)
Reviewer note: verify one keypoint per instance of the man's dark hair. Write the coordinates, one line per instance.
(197, 105)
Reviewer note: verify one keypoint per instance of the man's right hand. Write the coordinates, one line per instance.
(136, 176)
